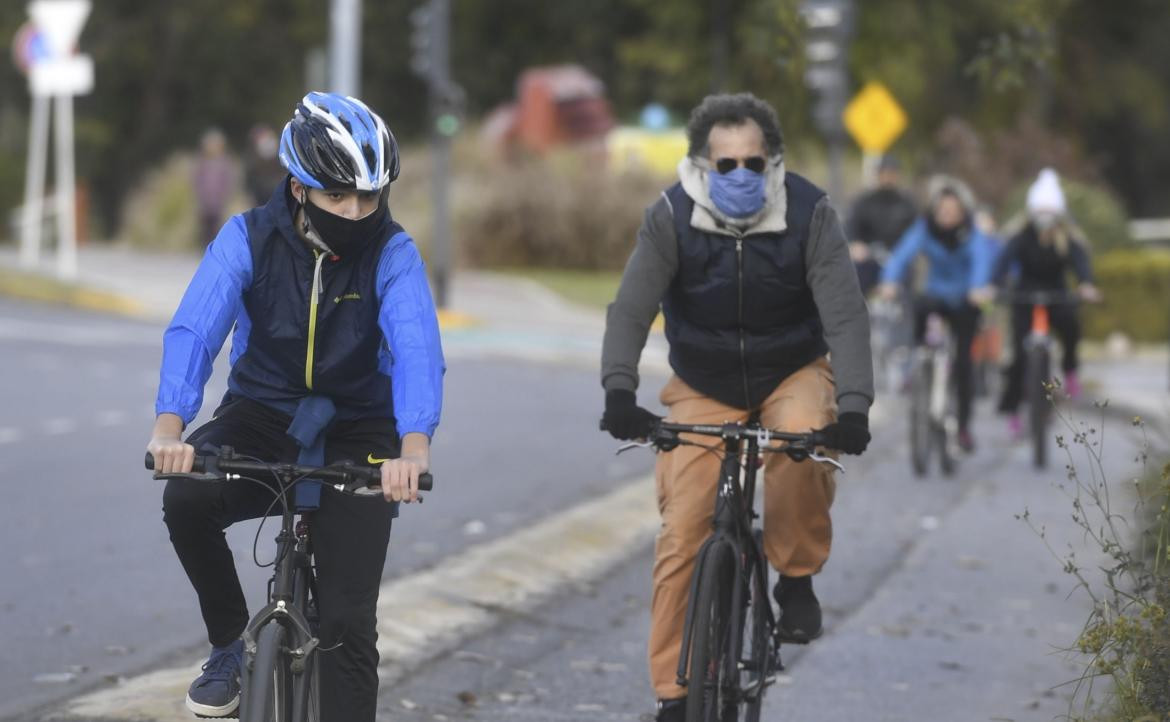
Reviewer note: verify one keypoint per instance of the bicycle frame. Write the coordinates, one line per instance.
(288, 601)
(732, 526)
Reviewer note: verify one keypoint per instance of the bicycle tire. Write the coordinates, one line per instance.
(266, 696)
(920, 436)
(946, 457)
(708, 676)
(760, 657)
(1039, 407)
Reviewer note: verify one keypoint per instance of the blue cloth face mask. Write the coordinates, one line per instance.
(739, 193)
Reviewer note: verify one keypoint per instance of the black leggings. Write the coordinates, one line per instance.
(350, 536)
(1062, 317)
(964, 322)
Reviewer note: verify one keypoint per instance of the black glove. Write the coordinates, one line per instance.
(624, 419)
(849, 433)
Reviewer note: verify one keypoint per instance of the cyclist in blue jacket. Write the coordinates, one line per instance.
(335, 355)
(961, 258)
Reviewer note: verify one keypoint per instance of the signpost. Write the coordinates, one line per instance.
(55, 71)
(875, 120)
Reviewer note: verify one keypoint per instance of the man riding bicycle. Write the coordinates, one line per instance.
(752, 272)
(960, 258)
(335, 356)
(877, 221)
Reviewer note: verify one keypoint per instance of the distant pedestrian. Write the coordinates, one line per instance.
(262, 168)
(214, 181)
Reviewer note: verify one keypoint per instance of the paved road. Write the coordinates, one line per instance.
(940, 604)
(92, 589)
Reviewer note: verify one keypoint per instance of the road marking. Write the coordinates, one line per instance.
(56, 427)
(111, 417)
(427, 614)
(10, 435)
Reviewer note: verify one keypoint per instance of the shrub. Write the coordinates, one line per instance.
(566, 211)
(160, 212)
(1136, 285)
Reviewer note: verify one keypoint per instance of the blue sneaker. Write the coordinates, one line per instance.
(216, 693)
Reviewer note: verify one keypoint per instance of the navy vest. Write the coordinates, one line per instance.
(346, 340)
(741, 320)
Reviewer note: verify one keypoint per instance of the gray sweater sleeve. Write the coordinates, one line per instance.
(833, 280)
(647, 277)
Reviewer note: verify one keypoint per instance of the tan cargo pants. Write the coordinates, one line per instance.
(797, 496)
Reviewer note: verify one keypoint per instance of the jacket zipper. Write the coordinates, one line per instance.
(314, 296)
(742, 346)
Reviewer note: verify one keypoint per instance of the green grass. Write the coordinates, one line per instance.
(588, 288)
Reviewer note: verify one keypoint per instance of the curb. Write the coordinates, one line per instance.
(35, 287)
(44, 289)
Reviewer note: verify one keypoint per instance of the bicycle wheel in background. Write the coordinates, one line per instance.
(920, 424)
(268, 692)
(759, 652)
(713, 677)
(1039, 406)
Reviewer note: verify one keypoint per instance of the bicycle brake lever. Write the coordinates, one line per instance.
(368, 491)
(826, 460)
(634, 445)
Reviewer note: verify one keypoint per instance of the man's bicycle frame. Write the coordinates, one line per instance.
(278, 681)
(730, 648)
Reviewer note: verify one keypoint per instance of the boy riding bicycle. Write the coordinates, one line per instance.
(335, 355)
(752, 272)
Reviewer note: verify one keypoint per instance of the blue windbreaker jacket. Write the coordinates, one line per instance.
(952, 272)
(362, 330)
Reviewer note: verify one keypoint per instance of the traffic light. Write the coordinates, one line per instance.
(422, 41)
(829, 26)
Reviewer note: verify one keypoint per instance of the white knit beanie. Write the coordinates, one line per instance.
(1046, 195)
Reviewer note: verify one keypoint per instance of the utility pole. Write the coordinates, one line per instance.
(826, 50)
(431, 60)
(345, 47)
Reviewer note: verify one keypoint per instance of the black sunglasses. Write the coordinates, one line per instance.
(756, 164)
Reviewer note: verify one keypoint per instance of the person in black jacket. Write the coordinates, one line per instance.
(877, 221)
(752, 273)
(1041, 254)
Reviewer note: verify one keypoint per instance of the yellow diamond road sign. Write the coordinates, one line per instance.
(874, 118)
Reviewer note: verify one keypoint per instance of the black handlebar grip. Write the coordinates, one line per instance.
(196, 467)
(426, 482)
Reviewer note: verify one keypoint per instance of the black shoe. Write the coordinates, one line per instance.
(800, 612)
(672, 710)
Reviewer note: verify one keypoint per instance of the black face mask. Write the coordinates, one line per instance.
(343, 235)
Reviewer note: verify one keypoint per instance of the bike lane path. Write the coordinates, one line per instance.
(940, 604)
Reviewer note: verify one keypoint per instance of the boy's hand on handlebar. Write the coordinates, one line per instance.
(849, 433)
(171, 455)
(400, 476)
(624, 419)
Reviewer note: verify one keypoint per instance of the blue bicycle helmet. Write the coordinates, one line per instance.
(336, 142)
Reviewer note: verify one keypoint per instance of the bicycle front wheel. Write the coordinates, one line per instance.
(921, 434)
(1039, 406)
(713, 680)
(760, 659)
(268, 688)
